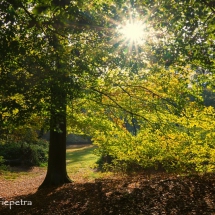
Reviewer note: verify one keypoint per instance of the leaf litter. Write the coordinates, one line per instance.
(137, 194)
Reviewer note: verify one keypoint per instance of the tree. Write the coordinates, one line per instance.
(46, 57)
(55, 53)
(168, 101)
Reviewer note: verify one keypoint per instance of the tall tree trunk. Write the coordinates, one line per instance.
(56, 173)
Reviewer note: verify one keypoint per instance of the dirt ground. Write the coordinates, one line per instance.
(139, 194)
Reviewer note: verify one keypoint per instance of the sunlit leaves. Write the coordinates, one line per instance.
(171, 123)
(143, 105)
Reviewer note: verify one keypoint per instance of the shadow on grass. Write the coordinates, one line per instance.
(20, 169)
(81, 155)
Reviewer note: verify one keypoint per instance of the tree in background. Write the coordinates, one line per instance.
(162, 90)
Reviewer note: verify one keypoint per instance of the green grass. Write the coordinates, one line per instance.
(80, 158)
(81, 164)
(13, 173)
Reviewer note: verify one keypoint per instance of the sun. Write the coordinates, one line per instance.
(133, 31)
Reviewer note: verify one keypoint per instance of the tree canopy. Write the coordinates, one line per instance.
(66, 61)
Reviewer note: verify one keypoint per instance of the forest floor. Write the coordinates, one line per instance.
(158, 193)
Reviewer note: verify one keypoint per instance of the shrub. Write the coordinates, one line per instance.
(104, 162)
(10, 151)
(34, 154)
(29, 154)
(176, 151)
(2, 165)
(1, 160)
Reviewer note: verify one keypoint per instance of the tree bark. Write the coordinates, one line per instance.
(56, 173)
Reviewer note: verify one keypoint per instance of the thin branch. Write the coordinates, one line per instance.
(119, 106)
(155, 94)
(132, 115)
(28, 13)
(208, 4)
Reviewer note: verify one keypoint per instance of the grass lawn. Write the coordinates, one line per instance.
(81, 166)
(80, 158)
(137, 194)
(81, 163)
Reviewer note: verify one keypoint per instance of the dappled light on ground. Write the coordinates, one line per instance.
(81, 164)
(128, 195)
(94, 193)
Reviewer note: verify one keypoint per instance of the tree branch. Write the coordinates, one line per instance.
(119, 106)
(209, 4)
